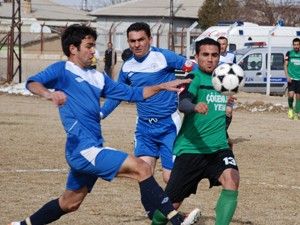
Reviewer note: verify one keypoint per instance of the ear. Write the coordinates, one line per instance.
(73, 49)
(151, 40)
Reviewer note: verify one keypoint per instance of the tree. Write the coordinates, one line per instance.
(218, 10)
(267, 12)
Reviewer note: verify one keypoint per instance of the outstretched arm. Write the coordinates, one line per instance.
(174, 85)
(57, 97)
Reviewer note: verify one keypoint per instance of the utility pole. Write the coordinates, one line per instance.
(171, 27)
(13, 42)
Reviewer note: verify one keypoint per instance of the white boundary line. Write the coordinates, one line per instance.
(280, 186)
(34, 171)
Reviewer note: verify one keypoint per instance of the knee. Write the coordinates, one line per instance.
(143, 169)
(230, 179)
(70, 204)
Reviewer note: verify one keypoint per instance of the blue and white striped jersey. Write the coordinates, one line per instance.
(83, 88)
(156, 67)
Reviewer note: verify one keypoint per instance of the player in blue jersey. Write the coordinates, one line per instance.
(77, 92)
(158, 120)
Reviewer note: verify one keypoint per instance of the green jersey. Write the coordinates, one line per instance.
(293, 64)
(203, 133)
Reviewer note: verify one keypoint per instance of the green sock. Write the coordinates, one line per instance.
(297, 106)
(159, 218)
(226, 206)
(290, 102)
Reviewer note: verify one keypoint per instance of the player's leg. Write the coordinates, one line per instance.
(291, 93)
(297, 105)
(168, 130)
(229, 179)
(152, 195)
(54, 209)
(181, 185)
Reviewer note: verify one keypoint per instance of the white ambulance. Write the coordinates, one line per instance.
(254, 61)
(240, 33)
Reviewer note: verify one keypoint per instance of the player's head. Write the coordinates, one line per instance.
(207, 54)
(296, 44)
(73, 36)
(223, 43)
(139, 38)
(78, 43)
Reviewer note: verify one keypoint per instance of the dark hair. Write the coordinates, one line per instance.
(296, 40)
(139, 26)
(222, 38)
(73, 35)
(206, 41)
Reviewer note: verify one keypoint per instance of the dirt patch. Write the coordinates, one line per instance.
(33, 169)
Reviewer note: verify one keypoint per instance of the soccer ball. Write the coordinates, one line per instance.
(228, 78)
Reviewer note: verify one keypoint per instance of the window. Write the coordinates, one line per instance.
(252, 62)
(277, 61)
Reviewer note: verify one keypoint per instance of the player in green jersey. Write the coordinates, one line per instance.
(292, 72)
(201, 147)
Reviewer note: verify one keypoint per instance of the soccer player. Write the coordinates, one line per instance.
(227, 57)
(77, 92)
(292, 72)
(201, 147)
(158, 120)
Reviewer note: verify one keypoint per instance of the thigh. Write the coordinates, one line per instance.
(92, 163)
(218, 163)
(297, 86)
(187, 172)
(292, 86)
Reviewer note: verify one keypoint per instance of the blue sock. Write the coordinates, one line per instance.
(50, 212)
(153, 197)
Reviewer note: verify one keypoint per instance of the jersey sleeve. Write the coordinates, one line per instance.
(174, 60)
(287, 56)
(49, 77)
(115, 92)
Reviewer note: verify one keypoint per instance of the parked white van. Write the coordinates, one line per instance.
(239, 33)
(253, 60)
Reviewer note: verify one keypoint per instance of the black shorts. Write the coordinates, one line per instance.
(294, 86)
(190, 169)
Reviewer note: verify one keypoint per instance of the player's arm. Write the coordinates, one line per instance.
(286, 62)
(174, 85)
(178, 62)
(186, 99)
(57, 97)
(48, 79)
(110, 104)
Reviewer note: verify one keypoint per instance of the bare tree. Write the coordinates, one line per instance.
(266, 12)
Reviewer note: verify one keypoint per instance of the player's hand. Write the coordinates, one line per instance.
(57, 97)
(175, 85)
(201, 107)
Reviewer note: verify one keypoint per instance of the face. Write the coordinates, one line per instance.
(223, 45)
(208, 58)
(139, 43)
(296, 46)
(83, 55)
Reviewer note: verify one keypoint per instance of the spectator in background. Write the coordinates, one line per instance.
(126, 54)
(110, 59)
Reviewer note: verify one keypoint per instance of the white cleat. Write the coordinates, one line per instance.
(15, 223)
(192, 218)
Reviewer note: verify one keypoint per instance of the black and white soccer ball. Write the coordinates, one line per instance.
(228, 78)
